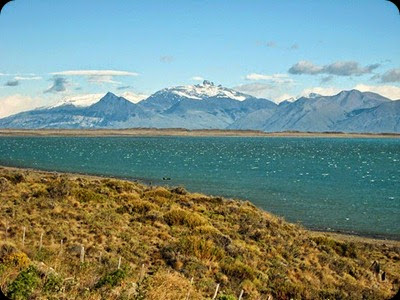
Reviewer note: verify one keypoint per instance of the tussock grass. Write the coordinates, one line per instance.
(165, 237)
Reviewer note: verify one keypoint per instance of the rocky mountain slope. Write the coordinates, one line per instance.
(207, 106)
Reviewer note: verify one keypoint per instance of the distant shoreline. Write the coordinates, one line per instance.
(186, 132)
(343, 236)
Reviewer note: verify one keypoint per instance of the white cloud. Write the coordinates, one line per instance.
(277, 78)
(388, 91)
(339, 68)
(102, 79)
(97, 76)
(95, 73)
(324, 91)
(267, 90)
(13, 104)
(27, 77)
(197, 78)
(167, 59)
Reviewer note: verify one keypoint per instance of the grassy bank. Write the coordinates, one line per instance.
(82, 237)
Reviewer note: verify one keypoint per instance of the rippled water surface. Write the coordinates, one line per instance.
(350, 185)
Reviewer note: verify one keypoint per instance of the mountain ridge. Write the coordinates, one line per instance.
(207, 106)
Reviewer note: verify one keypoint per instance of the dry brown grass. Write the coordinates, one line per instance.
(165, 237)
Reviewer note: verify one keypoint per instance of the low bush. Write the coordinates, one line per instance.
(183, 217)
(238, 270)
(25, 283)
(112, 279)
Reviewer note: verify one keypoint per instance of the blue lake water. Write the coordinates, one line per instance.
(348, 185)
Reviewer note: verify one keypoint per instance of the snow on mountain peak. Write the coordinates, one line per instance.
(205, 90)
(79, 101)
(89, 99)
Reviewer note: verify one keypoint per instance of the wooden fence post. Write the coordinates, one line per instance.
(241, 295)
(41, 241)
(82, 254)
(23, 236)
(142, 273)
(216, 292)
(119, 263)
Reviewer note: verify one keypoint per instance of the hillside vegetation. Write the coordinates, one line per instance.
(98, 238)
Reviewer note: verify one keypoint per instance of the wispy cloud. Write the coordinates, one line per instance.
(389, 91)
(16, 103)
(197, 78)
(12, 83)
(269, 44)
(326, 79)
(27, 77)
(255, 89)
(276, 78)
(323, 91)
(59, 85)
(339, 68)
(294, 46)
(274, 91)
(95, 73)
(124, 87)
(97, 76)
(167, 59)
(392, 75)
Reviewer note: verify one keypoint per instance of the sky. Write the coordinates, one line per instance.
(51, 51)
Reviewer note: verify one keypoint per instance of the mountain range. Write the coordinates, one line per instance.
(207, 106)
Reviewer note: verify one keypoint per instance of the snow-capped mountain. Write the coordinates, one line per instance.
(79, 101)
(167, 97)
(207, 106)
(204, 91)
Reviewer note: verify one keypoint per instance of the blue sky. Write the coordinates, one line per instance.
(51, 50)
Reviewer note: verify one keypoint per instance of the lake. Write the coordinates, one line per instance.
(337, 184)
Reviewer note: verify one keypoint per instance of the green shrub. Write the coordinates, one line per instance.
(59, 189)
(53, 283)
(203, 249)
(226, 297)
(25, 283)
(238, 270)
(183, 217)
(341, 248)
(86, 195)
(112, 279)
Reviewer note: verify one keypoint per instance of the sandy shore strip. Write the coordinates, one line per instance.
(336, 235)
(185, 132)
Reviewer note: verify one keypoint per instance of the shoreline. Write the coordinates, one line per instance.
(340, 235)
(144, 132)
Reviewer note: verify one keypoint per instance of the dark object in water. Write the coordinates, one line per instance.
(166, 178)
